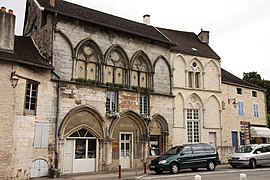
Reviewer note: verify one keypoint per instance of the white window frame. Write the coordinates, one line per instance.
(41, 135)
(144, 101)
(111, 101)
(193, 125)
(30, 99)
(256, 110)
(240, 108)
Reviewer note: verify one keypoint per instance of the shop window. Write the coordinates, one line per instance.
(154, 146)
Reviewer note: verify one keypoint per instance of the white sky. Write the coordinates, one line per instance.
(239, 29)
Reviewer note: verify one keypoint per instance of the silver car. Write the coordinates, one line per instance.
(250, 155)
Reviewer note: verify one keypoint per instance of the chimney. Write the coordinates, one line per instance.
(204, 36)
(52, 3)
(7, 29)
(146, 19)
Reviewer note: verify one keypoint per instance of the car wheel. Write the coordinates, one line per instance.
(252, 163)
(211, 166)
(174, 168)
(158, 171)
(194, 169)
(234, 166)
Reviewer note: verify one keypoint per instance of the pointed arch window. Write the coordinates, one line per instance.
(194, 76)
(140, 74)
(87, 63)
(116, 72)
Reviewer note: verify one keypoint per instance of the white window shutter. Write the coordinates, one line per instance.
(38, 135)
(45, 135)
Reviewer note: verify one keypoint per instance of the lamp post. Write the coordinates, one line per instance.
(14, 79)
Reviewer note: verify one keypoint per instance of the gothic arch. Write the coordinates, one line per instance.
(93, 44)
(197, 61)
(162, 121)
(215, 97)
(144, 57)
(80, 117)
(120, 50)
(195, 101)
(68, 41)
(134, 117)
(162, 78)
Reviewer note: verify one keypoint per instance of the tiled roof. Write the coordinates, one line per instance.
(25, 52)
(106, 20)
(189, 43)
(229, 78)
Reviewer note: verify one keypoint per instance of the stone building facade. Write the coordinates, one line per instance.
(114, 86)
(243, 114)
(23, 109)
(110, 92)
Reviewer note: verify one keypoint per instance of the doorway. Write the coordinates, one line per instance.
(125, 150)
(80, 152)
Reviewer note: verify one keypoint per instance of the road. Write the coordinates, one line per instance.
(262, 173)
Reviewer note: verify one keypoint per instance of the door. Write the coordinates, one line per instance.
(85, 155)
(235, 140)
(125, 151)
(212, 138)
(68, 157)
(39, 168)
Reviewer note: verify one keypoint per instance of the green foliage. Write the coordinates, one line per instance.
(255, 78)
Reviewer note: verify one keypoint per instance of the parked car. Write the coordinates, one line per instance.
(250, 155)
(191, 156)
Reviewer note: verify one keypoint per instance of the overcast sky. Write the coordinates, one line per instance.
(239, 29)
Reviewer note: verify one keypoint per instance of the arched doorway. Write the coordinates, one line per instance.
(81, 152)
(39, 168)
(82, 133)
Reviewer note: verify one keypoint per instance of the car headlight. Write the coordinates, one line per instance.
(162, 162)
(244, 158)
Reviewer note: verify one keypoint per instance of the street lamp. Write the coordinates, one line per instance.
(233, 101)
(14, 79)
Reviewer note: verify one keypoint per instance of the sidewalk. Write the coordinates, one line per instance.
(126, 174)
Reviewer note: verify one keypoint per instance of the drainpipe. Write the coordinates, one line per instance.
(56, 149)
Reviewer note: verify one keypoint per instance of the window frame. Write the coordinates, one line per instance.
(144, 104)
(256, 110)
(30, 99)
(240, 107)
(112, 101)
(193, 125)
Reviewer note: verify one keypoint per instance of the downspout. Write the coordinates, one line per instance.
(56, 149)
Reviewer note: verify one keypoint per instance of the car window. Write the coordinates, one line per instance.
(174, 150)
(244, 149)
(209, 148)
(267, 148)
(187, 150)
(197, 149)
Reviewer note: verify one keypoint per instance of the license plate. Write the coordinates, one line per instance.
(152, 166)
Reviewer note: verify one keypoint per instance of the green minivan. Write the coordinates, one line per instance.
(191, 156)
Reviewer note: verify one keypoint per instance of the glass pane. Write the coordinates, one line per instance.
(80, 148)
(82, 132)
(92, 148)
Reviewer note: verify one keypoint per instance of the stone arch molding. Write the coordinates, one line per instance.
(194, 101)
(200, 65)
(216, 99)
(162, 121)
(93, 44)
(82, 117)
(118, 49)
(133, 116)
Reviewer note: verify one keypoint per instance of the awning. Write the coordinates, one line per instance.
(260, 132)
